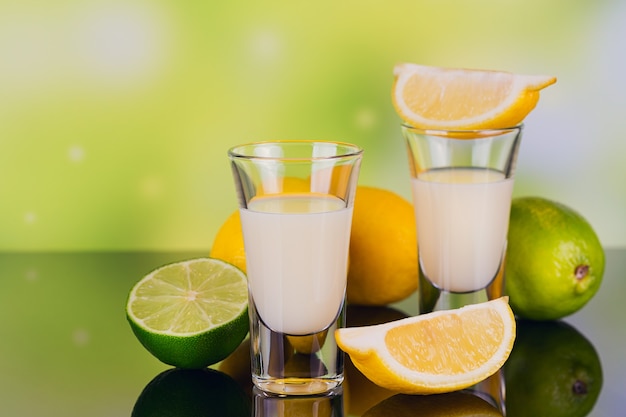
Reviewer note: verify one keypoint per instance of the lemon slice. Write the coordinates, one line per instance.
(464, 99)
(437, 352)
(190, 314)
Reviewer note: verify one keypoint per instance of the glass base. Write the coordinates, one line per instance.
(446, 300)
(432, 298)
(284, 364)
(297, 386)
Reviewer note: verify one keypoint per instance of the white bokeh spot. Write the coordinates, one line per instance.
(31, 275)
(365, 118)
(121, 41)
(265, 46)
(80, 337)
(151, 187)
(76, 154)
(30, 217)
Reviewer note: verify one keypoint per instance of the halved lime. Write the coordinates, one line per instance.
(190, 314)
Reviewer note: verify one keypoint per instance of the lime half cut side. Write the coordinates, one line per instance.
(190, 314)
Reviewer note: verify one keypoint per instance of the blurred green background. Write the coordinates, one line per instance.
(115, 116)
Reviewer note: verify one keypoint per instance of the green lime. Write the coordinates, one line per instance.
(191, 393)
(554, 260)
(190, 314)
(453, 404)
(553, 370)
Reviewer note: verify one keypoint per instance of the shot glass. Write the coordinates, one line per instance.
(296, 200)
(462, 184)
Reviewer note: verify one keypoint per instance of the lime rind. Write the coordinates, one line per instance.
(195, 351)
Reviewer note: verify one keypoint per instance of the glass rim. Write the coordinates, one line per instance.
(448, 132)
(350, 150)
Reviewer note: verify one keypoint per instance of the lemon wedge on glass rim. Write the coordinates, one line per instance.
(429, 97)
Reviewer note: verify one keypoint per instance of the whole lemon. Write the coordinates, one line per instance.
(228, 242)
(383, 248)
(554, 259)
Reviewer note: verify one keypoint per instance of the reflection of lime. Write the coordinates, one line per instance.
(455, 404)
(553, 371)
(191, 393)
(190, 314)
(554, 260)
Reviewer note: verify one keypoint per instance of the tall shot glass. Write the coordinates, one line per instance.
(296, 200)
(462, 183)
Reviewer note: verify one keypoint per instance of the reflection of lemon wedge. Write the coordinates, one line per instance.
(437, 352)
(461, 99)
(456, 404)
(361, 393)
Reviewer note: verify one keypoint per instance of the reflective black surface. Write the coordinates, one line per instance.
(67, 350)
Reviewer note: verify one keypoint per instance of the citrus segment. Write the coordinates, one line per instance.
(463, 99)
(190, 314)
(433, 353)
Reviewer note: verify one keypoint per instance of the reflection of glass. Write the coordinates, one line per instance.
(328, 405)
(296, 200)
(462, 185)
(492, 390)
